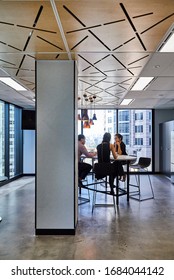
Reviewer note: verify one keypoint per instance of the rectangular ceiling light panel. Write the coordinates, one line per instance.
(12, 83)
(142, 83)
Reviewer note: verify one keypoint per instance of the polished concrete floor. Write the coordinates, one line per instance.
(138, 230)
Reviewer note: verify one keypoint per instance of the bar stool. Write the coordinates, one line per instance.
(101, 171)
(141, 166)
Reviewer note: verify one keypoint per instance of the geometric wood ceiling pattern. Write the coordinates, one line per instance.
(114, 43)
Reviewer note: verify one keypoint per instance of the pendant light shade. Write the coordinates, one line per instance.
(79, 117)
(91, 122)
(86, 124)
(94, 117)
(85, 116)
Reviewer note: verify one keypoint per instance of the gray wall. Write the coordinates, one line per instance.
(56, 143)
(160, 116)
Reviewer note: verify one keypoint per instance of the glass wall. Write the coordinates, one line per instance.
(134, 125)
(2, 138)
(136, 128)
(11, 140)
(106, 122)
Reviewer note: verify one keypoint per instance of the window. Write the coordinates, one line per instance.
(104, 123)
(109, 119)
(12, 140)
(139, 128)
(2, 138)
(129, 124)
(139, 116)
(126, 139)
(124, 128)
(140, 121)
(150, 129)
(139, 141)
(123, 115)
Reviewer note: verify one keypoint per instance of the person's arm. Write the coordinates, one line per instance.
(119, 150)
(112, 148)
(86, 153)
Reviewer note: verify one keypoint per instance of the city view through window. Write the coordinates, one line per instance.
(12, 141)
(134, 125)
(2, 139)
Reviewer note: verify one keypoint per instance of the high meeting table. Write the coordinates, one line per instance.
(127, 159)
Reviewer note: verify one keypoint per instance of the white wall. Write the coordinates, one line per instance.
(29, 151)
(56, 181)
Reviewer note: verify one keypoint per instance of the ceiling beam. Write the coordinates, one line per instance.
(56, 14)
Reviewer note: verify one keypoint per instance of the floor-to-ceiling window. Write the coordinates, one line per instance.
(2, 138)
(105, 122)
(136, 128)
(11, 140)
(134, 125)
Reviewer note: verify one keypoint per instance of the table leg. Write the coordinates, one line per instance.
(117, 191)
(127, 180)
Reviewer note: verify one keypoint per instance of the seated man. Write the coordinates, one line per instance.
(83, 167)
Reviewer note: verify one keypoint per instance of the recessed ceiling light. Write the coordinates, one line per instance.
(126, 101)
(12, 83)
(142, 83)
(168, 44)
(156, 66)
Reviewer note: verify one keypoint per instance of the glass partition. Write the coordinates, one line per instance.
(106, 122)
(11, 140)
(134, 125)
(2, 138)
(136, 128)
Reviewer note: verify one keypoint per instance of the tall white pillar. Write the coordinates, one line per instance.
(56, 148)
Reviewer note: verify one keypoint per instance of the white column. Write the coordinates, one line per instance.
(56, 171)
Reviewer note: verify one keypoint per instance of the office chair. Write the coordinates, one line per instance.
(141, 166)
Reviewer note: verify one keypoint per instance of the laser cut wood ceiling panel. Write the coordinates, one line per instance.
(114, 42)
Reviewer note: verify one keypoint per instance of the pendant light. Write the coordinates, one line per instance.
(94, 115)
(86, 124)
(85, 116)
(91, 122)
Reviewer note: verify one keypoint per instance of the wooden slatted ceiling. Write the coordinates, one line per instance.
(111, 40)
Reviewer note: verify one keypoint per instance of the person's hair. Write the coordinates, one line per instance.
(80, 137)
(119, 136)
(107, 137)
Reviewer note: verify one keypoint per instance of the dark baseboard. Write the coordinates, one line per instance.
(29, 174)
(55, 231)
(10, 180)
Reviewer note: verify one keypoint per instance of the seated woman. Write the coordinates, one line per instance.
(103, 150)
(119, 145)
